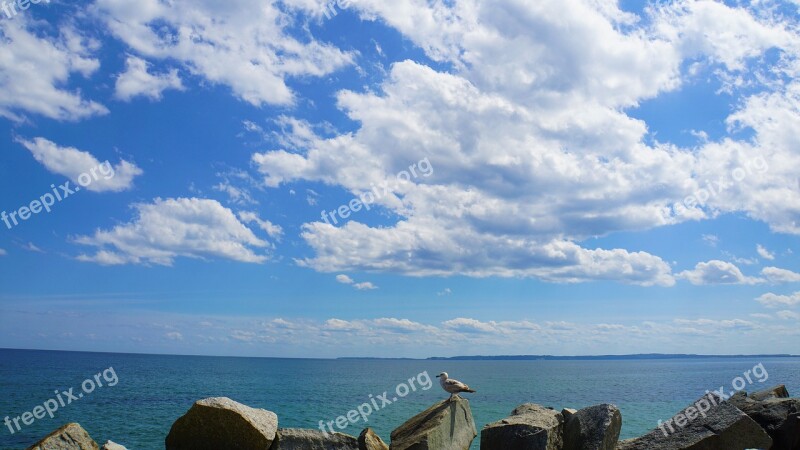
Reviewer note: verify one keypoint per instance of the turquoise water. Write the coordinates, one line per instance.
(153, 391)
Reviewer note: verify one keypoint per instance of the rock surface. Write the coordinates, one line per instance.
(301, 439)
(529, 427)
(221, 423)
(776, 392)
(69, 437)
(111, 445)
(593, 428)
(778, 416)
(368, 440)
(724, 427)
(567, 413)
(447, 425)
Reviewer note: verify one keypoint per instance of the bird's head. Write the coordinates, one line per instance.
(442, 375)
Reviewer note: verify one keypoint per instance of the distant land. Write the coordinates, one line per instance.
(584, 358)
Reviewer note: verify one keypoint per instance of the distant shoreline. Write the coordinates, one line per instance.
(631, 357)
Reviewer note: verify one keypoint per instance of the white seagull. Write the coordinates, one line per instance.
(452, 386)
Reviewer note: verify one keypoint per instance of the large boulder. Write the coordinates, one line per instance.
(300, 439)
(778, 416)
(368, 440)
(709, 424)
(221, 423)
(529, 427)
(69, 437)
(593, 428)
(776, 392)
(447, 425)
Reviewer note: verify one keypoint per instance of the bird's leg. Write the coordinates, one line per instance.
(451, 398)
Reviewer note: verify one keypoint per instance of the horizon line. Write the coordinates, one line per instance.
(435, 358)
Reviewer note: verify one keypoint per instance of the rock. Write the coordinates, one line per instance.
(779, 417)
(776, 392)
(69, 437)
(447, 425)
(111, 445)
(593, 428)
(368, 440)
(529, 427)
(300, 439)
(724, 427)
(567, 413)
(221, 423)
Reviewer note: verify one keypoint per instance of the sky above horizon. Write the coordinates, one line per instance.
(410, 178)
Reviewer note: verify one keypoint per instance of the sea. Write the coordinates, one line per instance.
(133, 399)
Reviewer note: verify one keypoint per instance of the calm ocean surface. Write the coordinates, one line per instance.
(153, 391)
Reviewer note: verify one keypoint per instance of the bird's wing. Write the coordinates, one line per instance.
(455, 384)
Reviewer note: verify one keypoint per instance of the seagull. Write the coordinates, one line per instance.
(452, 386)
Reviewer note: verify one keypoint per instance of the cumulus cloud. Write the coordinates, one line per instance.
(778, 275)
(788, 315)
(717, 272)
(764, 253)
(76, 164)
(170, 228)
(274, 231)
(241, 44)
(519, 132)
(363, 286)
(138, 81)
(35, 70)
(771, 300)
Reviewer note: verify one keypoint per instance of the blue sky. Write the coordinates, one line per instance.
(520, 177)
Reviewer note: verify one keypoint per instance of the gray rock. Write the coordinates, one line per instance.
(779, 417)
(776, 392)
(593, 428)
(221, 423)
(300, 439)
(69, 437)
(111, 445)
(529, 427)
(567, 413)
(368, 440)
(447, 425)
(724, 427)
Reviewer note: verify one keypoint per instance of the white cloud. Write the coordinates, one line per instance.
(778, 275)
(79, 166)
(717, 272)
(274, 231)
(465, 325)
(711, 239)
(3, 252)
(526, 167)
(365, 286)
(172, 228)
(35, 70)
(174, 336)
(446, 291)
(771, 300)
(764, 253)
(138, 81)
(344, 279)
(240, 44)
(788, 315)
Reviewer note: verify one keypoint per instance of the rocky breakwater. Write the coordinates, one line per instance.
(768, 420)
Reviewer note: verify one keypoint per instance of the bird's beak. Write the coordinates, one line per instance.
(437, 376)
